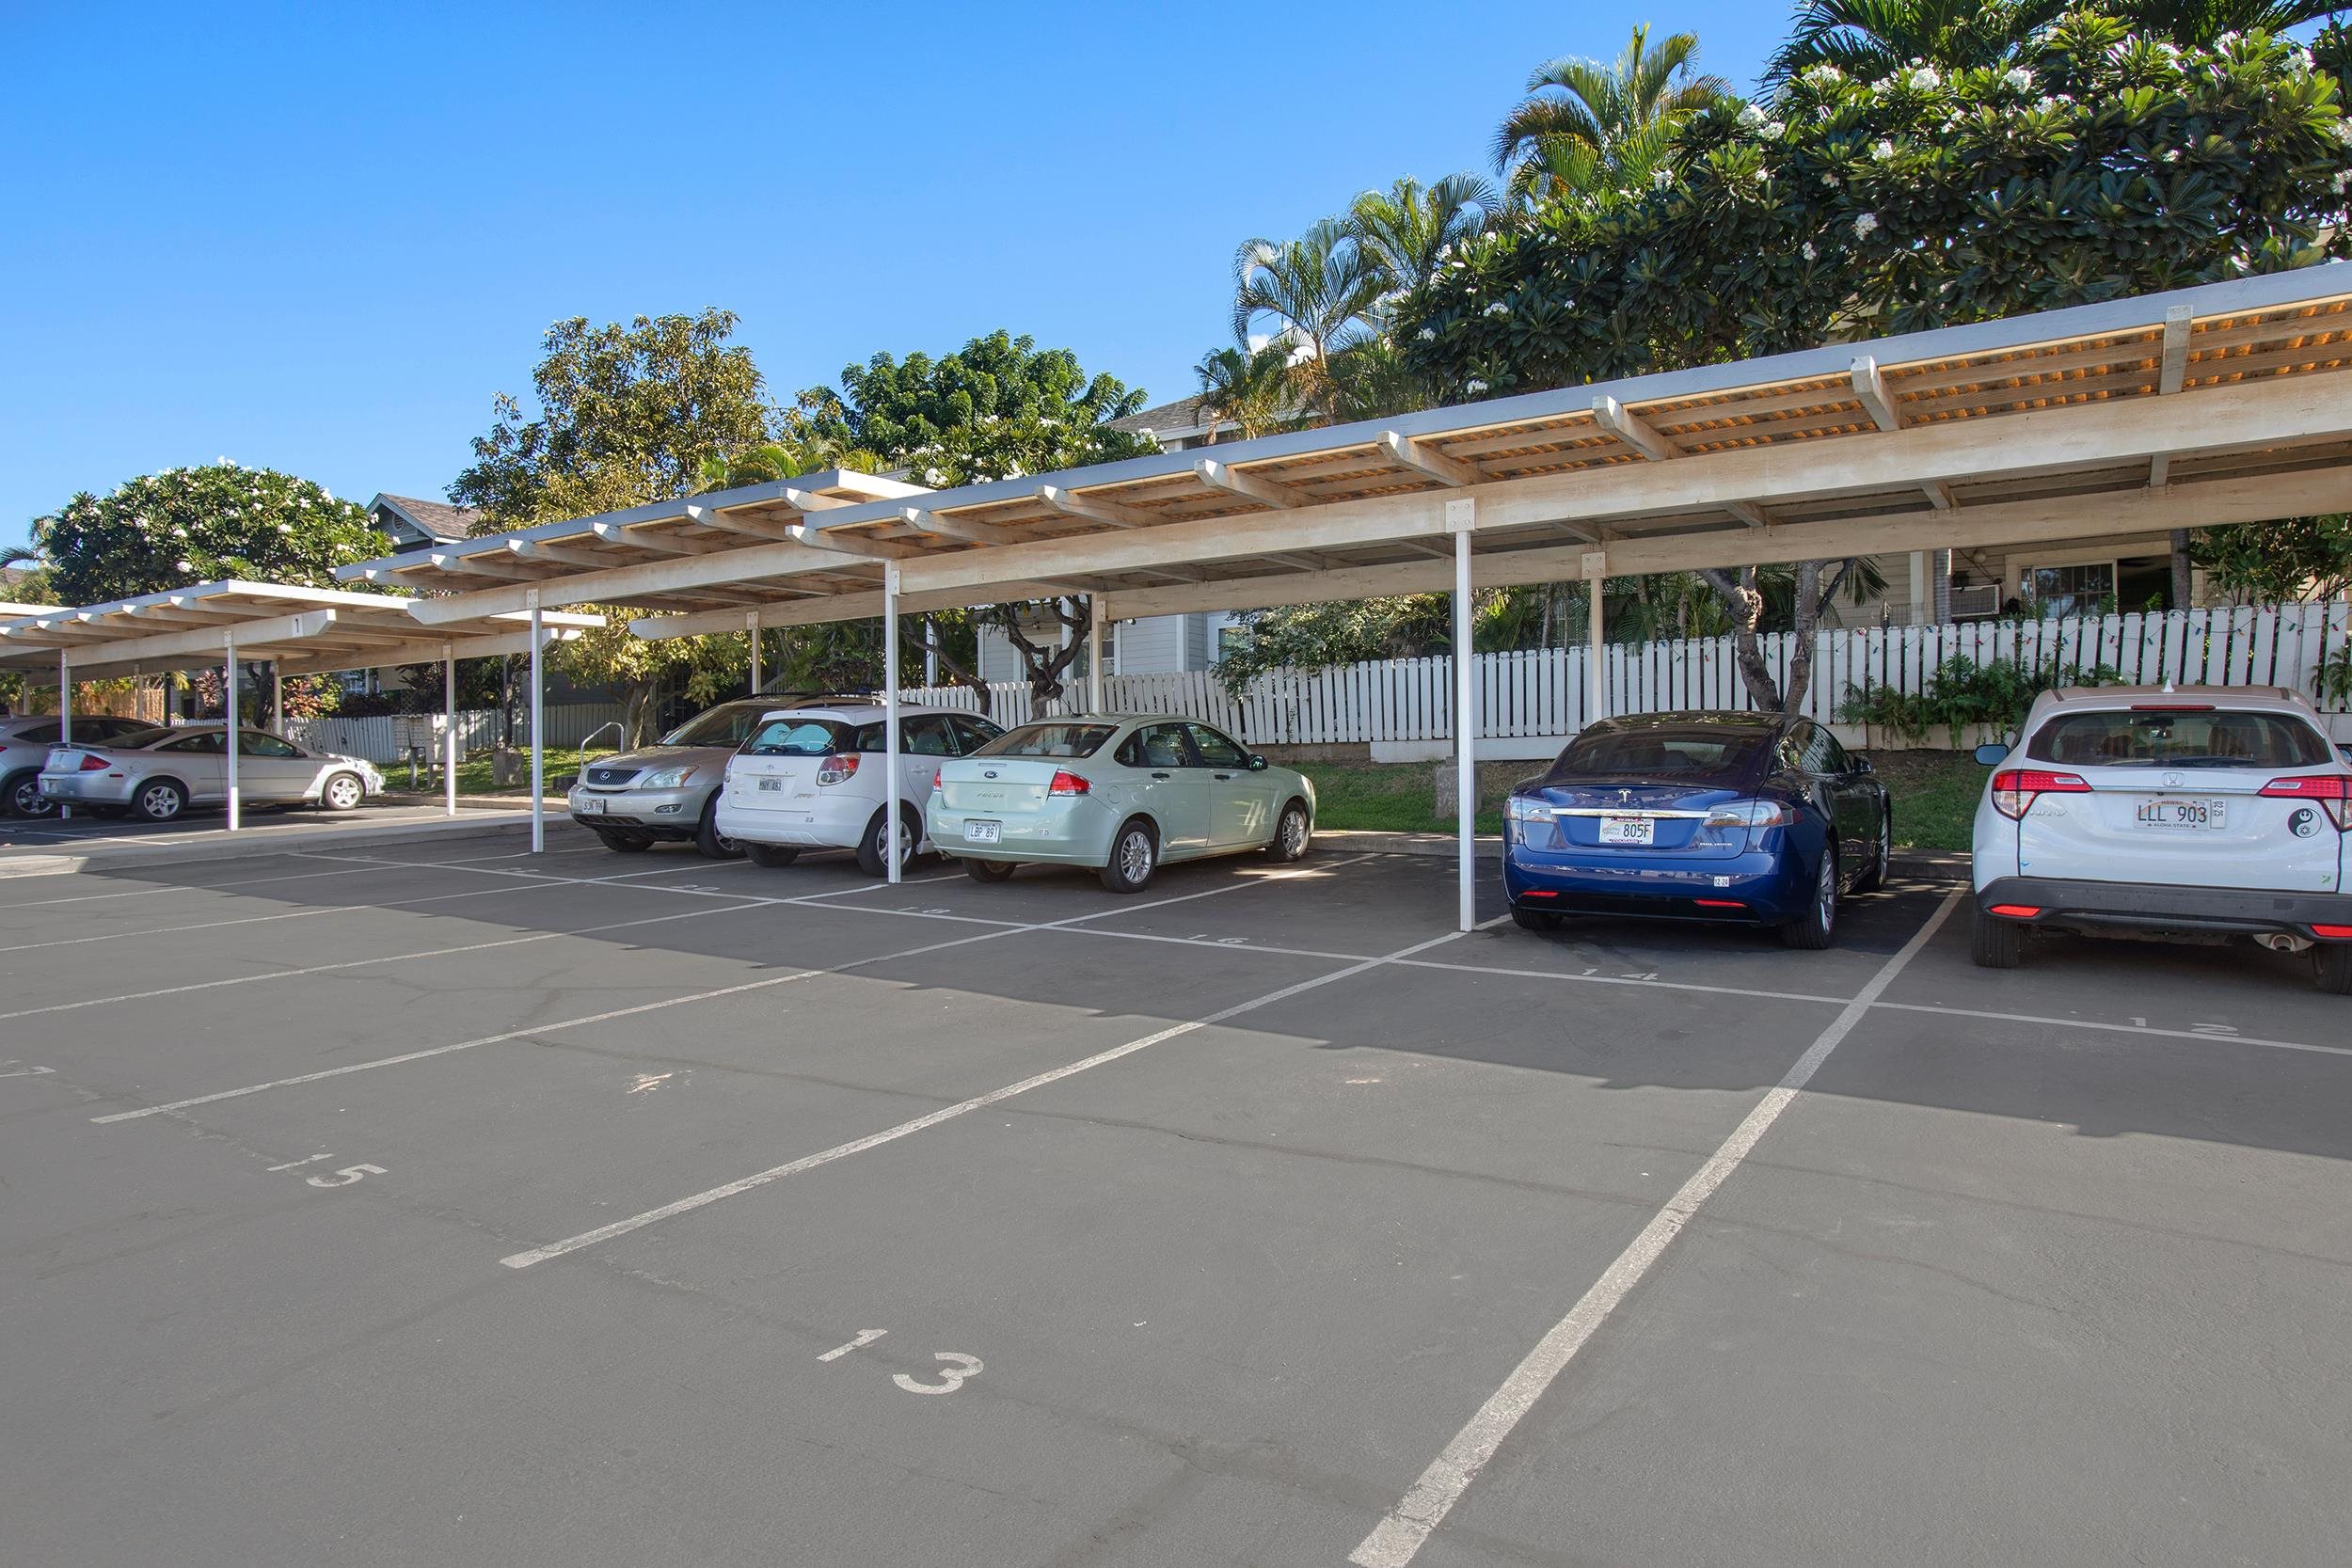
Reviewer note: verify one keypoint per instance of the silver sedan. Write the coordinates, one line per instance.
(1118, 792)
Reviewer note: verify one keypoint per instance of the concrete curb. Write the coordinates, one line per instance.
(1486, 847)
(132, 856)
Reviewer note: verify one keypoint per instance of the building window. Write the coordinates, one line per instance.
(2081, 590)
(1231, 637)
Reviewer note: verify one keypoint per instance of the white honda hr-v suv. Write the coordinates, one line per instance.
(2190, 814)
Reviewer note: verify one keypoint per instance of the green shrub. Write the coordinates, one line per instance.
(1962, 693)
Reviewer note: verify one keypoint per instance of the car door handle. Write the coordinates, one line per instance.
(1224, 775)
(1160, 775)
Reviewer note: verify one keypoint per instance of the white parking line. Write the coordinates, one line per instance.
(265, 919)
(569, 1023)
(2201, 1037)
(1397, 1538)
(363, 963)
(907, 1128)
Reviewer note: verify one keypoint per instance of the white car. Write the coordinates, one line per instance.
(158, 774)
(812, 778)
(2191, 814)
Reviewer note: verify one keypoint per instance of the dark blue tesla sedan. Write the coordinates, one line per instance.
(1751, 817)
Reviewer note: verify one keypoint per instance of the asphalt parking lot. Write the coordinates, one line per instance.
(434, 1203)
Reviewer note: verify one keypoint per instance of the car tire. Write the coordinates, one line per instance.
(1995, 942)
(343, 792)
(1290, 834)
(1817, 926)
(160, 800)
(624, 843)
(873, 854)
(773, 855)
(2332, 966)
(1874, 878)
(21, 796)
(713, 844)
(1134, 855)
(987, 871)
(1534, 920)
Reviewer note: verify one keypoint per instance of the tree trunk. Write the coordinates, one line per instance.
(1746, 607)
(1044, 667)
(1809, 600)
(636, 715)
(2181, 578)
(957, 674)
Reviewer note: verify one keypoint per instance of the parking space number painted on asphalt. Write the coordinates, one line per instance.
(346, 1176)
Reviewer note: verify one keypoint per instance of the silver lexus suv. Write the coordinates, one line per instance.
(664, 793)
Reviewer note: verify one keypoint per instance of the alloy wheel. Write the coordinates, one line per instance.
(26, 800)
(1134, 855)
(159, 802)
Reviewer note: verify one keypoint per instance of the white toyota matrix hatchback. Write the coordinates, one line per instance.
(2194, 813)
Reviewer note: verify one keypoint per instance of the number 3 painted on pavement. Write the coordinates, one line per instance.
(349, 1175)
(959, 1367)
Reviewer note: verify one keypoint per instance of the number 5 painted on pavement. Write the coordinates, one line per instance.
(349, 1175)
(959, 1367)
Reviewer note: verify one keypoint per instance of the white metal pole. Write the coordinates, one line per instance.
(1461, 516)
(1595, 680)
(276, 697)
(1094, 653)
(931, 655)
(890, 716)
(751, 627)
(65, 700)
(449, 730)
(538, 753)
(228, 716)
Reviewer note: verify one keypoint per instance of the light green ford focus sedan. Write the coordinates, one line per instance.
(1119, 792)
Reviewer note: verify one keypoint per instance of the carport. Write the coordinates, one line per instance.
(298, 631)
(2217, 404)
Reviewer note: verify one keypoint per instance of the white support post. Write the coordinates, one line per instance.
(890, 719)
(229, 715)
(1596, 678)
(931, 655)
(276, 697)
(1461, 518)
(538, 752)
(449, 729)
(751, 629)
(1094, 654)
(65, 699)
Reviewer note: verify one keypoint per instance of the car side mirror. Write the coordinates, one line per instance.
(1992, 754)
(1860, 764)
(1257, 763)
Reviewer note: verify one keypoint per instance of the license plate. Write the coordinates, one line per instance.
(591, 806)
(2209, 815)
(771, 786)
(1627, 830)
(982, 832)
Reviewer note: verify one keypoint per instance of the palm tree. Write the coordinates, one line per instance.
(1604, 110)
(1251, 387)
(1401, 232)
(784, 459)
(1320, 287)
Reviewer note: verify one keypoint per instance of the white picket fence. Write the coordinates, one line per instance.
(377, 738)
(1543, 694)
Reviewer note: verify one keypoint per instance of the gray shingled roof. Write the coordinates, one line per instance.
(1183, 414)
(439, 518)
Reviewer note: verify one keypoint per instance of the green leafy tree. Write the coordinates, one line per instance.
(2299, 558)
(998, 409)
(1870, 39)
(1319, 291)
(623, 416)
(2105, 163)
(1249, 386)
(200, 525)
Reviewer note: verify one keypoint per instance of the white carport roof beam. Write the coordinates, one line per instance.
(2171, 375)
(1639, 434)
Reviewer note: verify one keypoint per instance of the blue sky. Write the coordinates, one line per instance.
(321, 239)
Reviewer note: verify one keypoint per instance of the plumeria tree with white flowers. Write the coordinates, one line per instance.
(2092, 163)
(200, 525)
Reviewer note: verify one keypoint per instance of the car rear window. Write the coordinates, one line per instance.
(1649, 753)
(2192, 737)
(1049, 740)
(800, 737)
(728, 724)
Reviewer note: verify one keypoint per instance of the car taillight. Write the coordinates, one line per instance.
(2015, 912)
(2014, 791)
(836, 766)
(1066, 783)
(2334, 791)
(1750, 814)
(2334, 933)
(94, 764)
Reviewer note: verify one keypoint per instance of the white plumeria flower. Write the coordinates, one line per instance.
(185, 566)
(1427, 334)
(1864, 224)
(1926, 78)
(1883, 150)
(1659, 179)
(1473, 386)
(1497, 308)
(1808, 252)
(2018, 78)
(1750, 116)
(2342, 182)
(285, 528)
(2344, 132)
(1775, 130)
